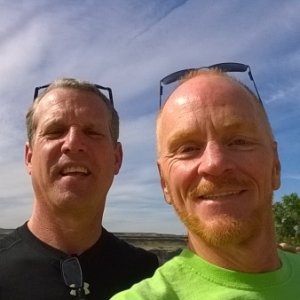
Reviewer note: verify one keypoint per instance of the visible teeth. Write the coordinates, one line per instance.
(78, 169)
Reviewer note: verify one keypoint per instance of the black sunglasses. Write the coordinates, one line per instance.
(99, 87)
(224, 67)
(72, 275)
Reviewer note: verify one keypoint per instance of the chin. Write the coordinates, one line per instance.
(69, 198)
(222, 230)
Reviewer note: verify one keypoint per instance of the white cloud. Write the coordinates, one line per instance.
(130, 46)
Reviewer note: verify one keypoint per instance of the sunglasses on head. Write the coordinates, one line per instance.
(223, 67)
(38, 90)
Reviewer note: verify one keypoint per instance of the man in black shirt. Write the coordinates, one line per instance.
(72, 155)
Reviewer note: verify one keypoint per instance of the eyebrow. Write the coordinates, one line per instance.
(179, 137)
(237, 125)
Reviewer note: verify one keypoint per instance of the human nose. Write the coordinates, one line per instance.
(73, 141)
(215, 160)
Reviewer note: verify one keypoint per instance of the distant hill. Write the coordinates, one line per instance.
(164, 246)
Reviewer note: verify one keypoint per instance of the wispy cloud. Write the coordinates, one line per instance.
(130, 45)
(157, 11)
(292, 176)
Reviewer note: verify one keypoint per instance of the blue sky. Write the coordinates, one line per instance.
(129, 46)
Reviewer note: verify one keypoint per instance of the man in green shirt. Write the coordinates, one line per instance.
(219, 165)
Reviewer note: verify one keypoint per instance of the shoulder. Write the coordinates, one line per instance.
(16, 244)
(9, 241)
(290, 263)
(289, 257)
(162, 285)
(11, 247)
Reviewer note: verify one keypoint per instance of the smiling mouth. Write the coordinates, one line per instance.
(75, 170)
(220, 196)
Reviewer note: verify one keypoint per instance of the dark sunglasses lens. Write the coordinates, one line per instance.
(223, 67)
(71, 272)
(175, 76)
(230, 67)
(38, 89)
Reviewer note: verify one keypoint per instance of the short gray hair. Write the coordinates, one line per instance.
(73, 83)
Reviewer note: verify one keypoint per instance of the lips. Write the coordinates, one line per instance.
(221, 195)
(223, 188)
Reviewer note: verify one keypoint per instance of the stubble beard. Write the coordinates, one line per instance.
(225, 229)
(222, 230)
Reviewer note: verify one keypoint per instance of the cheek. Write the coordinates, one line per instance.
(44, 156)
(258, 169)
(182, 176)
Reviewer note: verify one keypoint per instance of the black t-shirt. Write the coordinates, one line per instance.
(31, 269)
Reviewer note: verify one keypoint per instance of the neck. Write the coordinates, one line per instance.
(253, 256)
(72, 233)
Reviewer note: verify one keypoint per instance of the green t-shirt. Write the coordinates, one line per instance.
(188, 276)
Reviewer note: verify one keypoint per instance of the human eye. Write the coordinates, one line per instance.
(54, 132)
(94, 132)
(241, 143)
(187, 151)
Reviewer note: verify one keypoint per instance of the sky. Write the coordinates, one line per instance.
(130, 45)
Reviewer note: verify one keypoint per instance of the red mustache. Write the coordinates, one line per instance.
(220, 185)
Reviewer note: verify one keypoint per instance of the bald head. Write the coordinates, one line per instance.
(209, 88)
(217, 160)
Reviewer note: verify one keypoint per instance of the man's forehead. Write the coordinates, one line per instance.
(203, 91)
(63, 96)
(62, 92)
(70, 102)
(218, 96)
(201, 84)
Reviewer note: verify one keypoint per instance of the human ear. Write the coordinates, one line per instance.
(28, 158)
(118, 157)
(276, 172)
(164, 185)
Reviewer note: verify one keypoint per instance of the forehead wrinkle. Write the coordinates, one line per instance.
(70, 108)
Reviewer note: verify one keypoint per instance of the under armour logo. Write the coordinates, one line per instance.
(86, 290)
